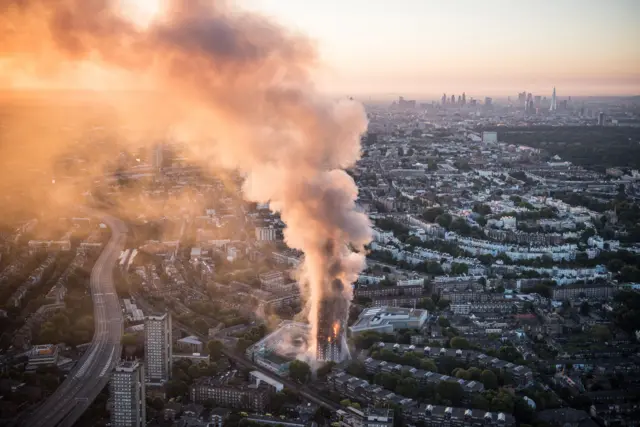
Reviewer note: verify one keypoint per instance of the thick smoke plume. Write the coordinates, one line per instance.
(236, 88)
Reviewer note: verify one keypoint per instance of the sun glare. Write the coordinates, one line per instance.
(141, 12)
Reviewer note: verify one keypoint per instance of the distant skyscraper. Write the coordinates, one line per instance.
(459, 99)
(464, 98)
(453, 99)
(157, 348)
(554, 101)
(157, 156)
(444, 99)
(488, 101)
(530, 108)
(522, 97)
(601, 119)
(128, 395)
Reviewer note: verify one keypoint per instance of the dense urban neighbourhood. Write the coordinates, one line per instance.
(500, 286)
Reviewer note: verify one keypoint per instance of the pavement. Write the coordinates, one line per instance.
(93, 370)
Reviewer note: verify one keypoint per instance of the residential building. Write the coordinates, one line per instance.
(272, 281)
(158, 348)
(225, 393)
(447, 416)
(592, 291)
(127, 387)
(265, 234)
(369, 417)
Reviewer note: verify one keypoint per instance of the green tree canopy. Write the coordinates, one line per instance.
(299, 371)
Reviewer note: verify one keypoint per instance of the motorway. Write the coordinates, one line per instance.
(92, 372)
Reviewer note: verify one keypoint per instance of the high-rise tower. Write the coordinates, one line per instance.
(330, 336)
(333, 312)
(554, 101)
(128, 395)
(157, 348)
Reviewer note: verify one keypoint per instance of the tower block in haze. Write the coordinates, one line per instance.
(157, 348)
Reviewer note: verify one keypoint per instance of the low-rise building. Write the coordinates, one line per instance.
(447, 416)
(226, 393)
(43, 355)
(369, 417)
(592, 291)
(190, 344)
(387, 319)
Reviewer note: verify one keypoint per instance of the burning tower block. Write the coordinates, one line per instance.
(330, 338)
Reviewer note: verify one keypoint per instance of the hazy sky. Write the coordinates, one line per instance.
(483, 47)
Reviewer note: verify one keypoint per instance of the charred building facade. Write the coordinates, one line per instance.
(332, 317)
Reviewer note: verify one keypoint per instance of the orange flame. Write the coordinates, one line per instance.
(336, 328)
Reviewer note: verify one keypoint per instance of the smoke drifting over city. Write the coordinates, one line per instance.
(235, 88)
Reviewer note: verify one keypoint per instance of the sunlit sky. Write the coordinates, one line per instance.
(484, 47)
(423, 48)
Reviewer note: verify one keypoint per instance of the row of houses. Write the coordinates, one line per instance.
(431, 415)
(522, 375)
(423, 377)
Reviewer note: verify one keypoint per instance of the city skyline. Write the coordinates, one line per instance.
(424, 48)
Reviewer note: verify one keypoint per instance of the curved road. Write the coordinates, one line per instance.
(93, 370)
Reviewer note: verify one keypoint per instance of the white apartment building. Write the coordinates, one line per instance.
(265, 233)
(272, 281)
(157, 348)
(509, 222)
(128, 395)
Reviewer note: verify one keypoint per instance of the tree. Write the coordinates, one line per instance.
(482, 209)
(129, 340)
(458, 269)
(194, 372)
(324, 370)
(299, 371)
(431, 214)
(615, 265)
(508, 353)
(478, 401)
(444, 220)
(428, 365)
(427, 304)
(489, 379)
(522, 411)
(242, 345)
(601, 332)
(451, 390)
(357, 368)
(443, 322)
(157, 404)
(209, 404)
(176, 388)
(584, 308)
(459, 342)
(345, 402)
(475, 373)
(627, 312)
(215, 348)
